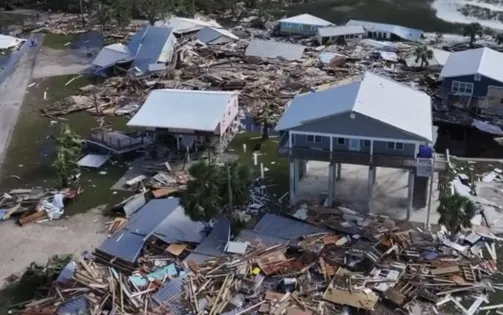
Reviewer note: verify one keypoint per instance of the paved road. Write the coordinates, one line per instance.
(14, 81)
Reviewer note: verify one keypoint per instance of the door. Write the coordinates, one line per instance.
(354, 144)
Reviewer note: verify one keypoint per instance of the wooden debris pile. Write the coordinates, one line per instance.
(31, 205)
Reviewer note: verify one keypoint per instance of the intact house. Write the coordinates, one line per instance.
(474, 79)
(388, 31)
(339, 34)
(190, 119)
(148, 51)
(304, 24)
(373, 121)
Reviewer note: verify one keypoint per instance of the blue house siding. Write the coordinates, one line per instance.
(301, 29)
(361, 125)
(379, 147)
(479, 87)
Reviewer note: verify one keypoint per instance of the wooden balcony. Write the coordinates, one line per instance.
(348, 157)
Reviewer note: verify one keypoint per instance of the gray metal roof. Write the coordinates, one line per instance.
(340, 30)
(176, 227)
(212, 35)
(111, 55)
(483, 61)
(306, 19)
(183, 109)
(374, 96)
(147, 45)
(214, 244)
(254, 237)
(284, 228)
(128, 242)
(183, 25)
(403, 32)
(273, 49)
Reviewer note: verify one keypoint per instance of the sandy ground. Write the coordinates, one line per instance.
(39, 241)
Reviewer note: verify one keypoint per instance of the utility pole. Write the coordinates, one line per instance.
(229, 184)
(82, 12)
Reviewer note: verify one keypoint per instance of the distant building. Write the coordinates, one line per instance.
(304, 24)
(474, 78)
(388, 31)
(148, 51)
(436, 63)
(334, 34)
(206, 119)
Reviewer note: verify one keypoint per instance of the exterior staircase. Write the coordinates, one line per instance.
(420, 194)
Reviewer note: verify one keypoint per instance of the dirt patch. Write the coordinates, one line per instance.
(51, 62)
(39, 241)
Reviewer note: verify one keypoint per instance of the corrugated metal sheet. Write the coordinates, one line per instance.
(183, 109)
(287, 229)
(211, 35)
(272, 49)
(374, 96)
(400, 31)
(483, 61)
(340, 30)
(147, 45)
(127, 243)
(76, 306)
(176, 226)
(171, 292)
(111, 55)
(306, 19)
(214, 244)
(254, 237)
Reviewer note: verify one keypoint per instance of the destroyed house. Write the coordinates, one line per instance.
(373, 121)
(148, 51)
(474, 78)
(388, 31)
(181, 25)
(213, 36)
(273, 49)
(163, 219)
(202, 119)
(304, 24)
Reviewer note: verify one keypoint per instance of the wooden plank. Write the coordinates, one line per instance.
(445, 270)
(176, 249)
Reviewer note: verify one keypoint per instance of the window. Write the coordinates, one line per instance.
(463, 88)
(365, 143)
(476, 77)
(314, 27)
(341, 141)
(314, 139)
(394, 145)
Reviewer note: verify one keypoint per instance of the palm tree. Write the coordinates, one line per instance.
(240, 177)
(472, 30)
(266, 117)
(456, 211)
(69, 146)
(201, 200)
(423, 54)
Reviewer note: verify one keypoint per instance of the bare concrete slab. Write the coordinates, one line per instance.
(390, 190)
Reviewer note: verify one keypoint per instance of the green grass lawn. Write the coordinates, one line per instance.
(58, 41)
(277, 173)
(30, 153)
